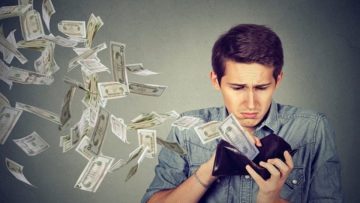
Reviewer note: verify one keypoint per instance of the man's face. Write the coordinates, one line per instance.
(247, 91)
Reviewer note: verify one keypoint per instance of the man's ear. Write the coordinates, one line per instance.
(279, 79)
(214, 80)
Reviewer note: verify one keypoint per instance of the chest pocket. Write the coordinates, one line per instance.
(292, 189)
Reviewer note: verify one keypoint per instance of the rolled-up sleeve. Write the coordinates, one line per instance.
(171, 169)
(325, 183)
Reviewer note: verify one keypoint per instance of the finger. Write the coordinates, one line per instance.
(257, 141)
(288, 160)
(282, 166)
(275, 173)
(258, 179)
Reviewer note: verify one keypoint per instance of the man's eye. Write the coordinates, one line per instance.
(261, 88)
(237, 88)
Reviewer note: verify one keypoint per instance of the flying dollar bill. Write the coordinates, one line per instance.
(98, 135)
(8, 118)
(117, 58)
(32, 25)
(134, 169)
(91, 66)
(233, 133)
(46, 64)
(48, 115)
(186, 122)
(74, 62)
(147, 138)
(93, 25)
(8, 55)
(173, 146)
(138, 69)
(48, 10)
(6, 45)
(32, 144)
(111, 90)
(208, 131)
(61, 41)
(147, 89)
(118, 127)
(73, 29)
(94, 173)
(18, 75)
(11, 11)
(82, 148)
(133, 155)
(66, 106)
(3, 101)
(16, 170)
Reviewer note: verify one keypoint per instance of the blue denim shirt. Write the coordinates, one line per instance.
(316, 173)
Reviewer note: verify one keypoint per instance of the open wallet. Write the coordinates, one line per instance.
(229, 161)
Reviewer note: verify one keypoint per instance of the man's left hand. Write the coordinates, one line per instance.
(269, 190)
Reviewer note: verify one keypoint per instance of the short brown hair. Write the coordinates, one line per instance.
(248, 43)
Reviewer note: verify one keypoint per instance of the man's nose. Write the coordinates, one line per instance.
(250, 100)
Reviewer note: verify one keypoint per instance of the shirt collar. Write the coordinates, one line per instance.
(271, 120)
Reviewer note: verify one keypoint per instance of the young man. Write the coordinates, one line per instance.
(247, 69)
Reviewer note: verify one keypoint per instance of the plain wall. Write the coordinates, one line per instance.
(322, 50)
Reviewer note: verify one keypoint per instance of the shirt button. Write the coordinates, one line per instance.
(294, 182)
(247, 176)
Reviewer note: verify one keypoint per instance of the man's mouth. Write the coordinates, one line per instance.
(249, 115)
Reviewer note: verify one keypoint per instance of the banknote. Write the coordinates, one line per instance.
(32, 144)
(75, 83)
(66, 143)
(22, 17)
(147, 89)
(145, 124)
(8, 55)
(233, 133)
(6, 45)
(98, 135)
(16, 170)
(73, 29)
(66, 106)
(117, 58)
(93, 25)
(133, 155)
(4, 71)
(117, 165)
(48, 115)
(208, 131)
(75, 135)
(32, 25)
(94, 173)
(11, 11)
(82, 148)
(81, 50)
(48, 10)
(46, 64)
(147, 138)
(186, 122)
(118, 127)
(173, 146)
(74, 62)
(61, 41)
(22, 76)
(8, 118)
(134, 169)
(138, 69)
(3, 101)
(111, 90)
(146, 117)
(35, 44)
(91, 66)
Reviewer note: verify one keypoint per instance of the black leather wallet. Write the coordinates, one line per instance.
(229, 161)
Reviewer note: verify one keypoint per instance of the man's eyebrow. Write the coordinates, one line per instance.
(242, 85)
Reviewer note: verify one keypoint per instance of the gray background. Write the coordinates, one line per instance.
(322, 47)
